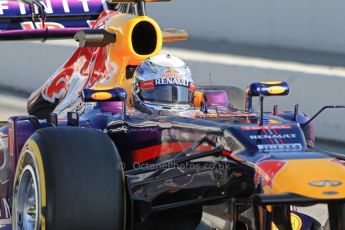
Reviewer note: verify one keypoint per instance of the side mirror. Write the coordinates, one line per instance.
(106, 95)
(262, 89)
(274, 88)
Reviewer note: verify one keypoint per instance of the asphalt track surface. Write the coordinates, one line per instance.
(14, 103)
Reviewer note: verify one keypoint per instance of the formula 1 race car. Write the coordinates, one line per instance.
(85, 158)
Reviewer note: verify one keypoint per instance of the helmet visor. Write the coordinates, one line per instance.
(168, 94)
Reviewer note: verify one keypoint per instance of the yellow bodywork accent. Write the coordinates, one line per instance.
(276, 90)
(299, 174)
(198, 98)
(101, 96)
(172, 35)
(102, 88)
(123, 25)
(121, 53)
(273, 122)
(271, 82)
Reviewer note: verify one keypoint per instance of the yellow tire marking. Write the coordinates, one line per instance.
(32, 146)
(296, 223)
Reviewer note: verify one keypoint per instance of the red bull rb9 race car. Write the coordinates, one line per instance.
(93, 154)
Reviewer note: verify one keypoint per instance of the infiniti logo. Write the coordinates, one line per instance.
(324, 183)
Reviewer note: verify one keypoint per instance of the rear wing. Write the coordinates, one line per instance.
(136, 1)
(62, 19)
(58, 14)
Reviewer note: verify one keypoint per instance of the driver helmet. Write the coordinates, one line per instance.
(163, 82)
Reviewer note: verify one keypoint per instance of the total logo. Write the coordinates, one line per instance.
(264, 127)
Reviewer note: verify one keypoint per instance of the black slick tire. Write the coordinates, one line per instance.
(80, 182)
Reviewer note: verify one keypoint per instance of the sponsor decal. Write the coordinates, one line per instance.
(150, 84)
(91, 23)
(147, 84)
(281, 147)
(54, 6)
(265, 172)
(56, 88)
(273, 136)
(122, 129)
(325, 183)
(330, 192)
(70, 78)
(47, 25)
(296, 223)
(172, 81)
(171, 73)
(253, 128)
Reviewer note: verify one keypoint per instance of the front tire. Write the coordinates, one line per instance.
(68, 178)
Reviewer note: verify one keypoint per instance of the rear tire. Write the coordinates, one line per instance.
(68, 178)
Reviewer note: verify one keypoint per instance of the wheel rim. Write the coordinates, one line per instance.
(27, 202)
